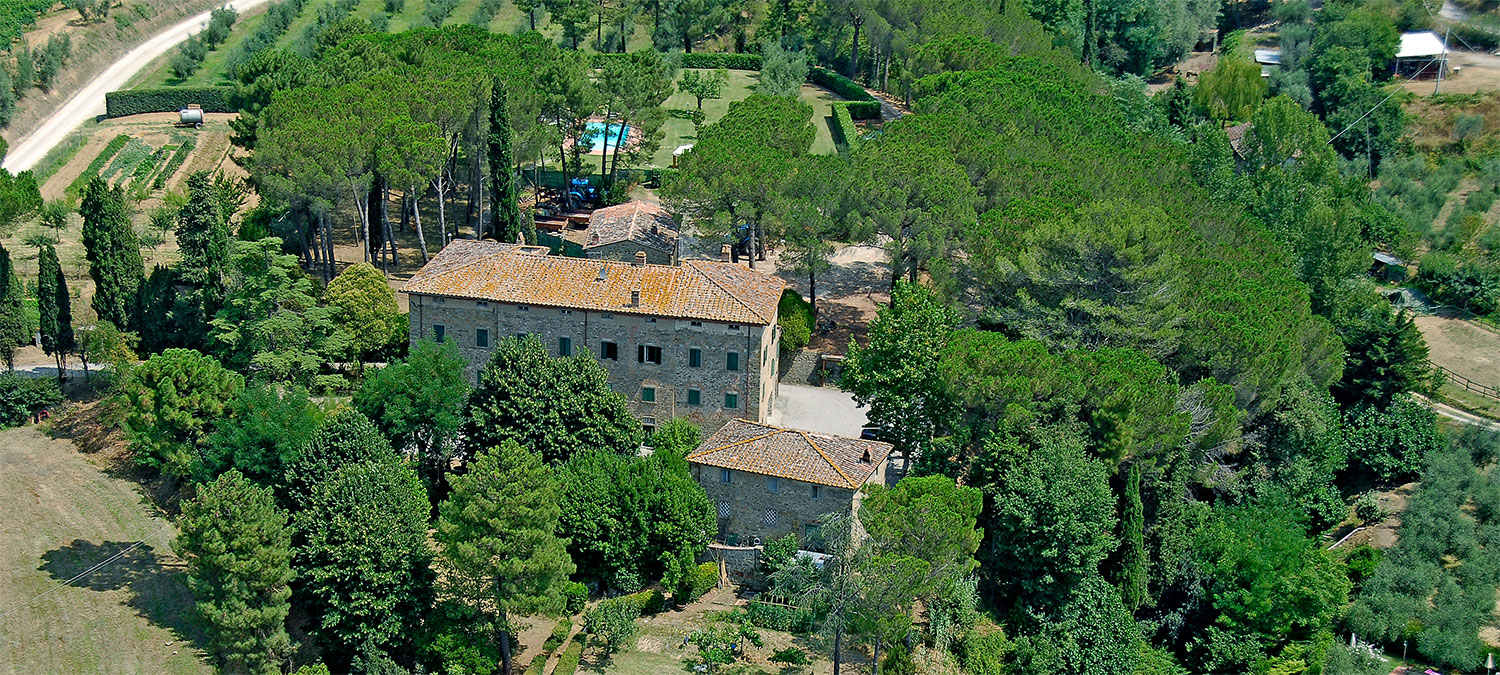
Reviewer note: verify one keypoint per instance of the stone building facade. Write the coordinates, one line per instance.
(699, 340)
(767, 482)
(620, 232)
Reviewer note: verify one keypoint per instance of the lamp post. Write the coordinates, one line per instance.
(1403, 653)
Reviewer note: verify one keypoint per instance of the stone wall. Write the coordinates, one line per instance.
(669, 383)
(624, 251)
(749, 501)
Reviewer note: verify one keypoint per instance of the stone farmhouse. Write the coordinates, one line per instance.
(619, 232)
(697, 340)
(767, 481)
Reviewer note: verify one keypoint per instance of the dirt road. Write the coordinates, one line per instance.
(89, 101)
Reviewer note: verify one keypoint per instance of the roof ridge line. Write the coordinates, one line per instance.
(824, 455)
(742, 441)
(506, 248)
(726, 290)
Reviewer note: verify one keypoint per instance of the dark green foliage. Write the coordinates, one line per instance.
(97, 164)
(499, 524)
(418, 404)
(238, 552)
(504, 195)
(557, 406)
(14, 330)
(780, 617)
(113, 253)
(363, 559)
(712, 60)
(203, 236)
(629, 520)
(179, 155)
(795, 317)
(1270, 582)
(701, 580)
(458, 638)
(986, 653)
(1052, 519)
(265, 432)
(1387, 358)
(173, 402)
(649, 602)
(188, 57)
(1393, 443)
(577, 594)
(1091, 633)
(54, 309)
(20, 396)
(346, 437)
(1133, 558)
(168, 99)
(1300, 448)
(1361, 562)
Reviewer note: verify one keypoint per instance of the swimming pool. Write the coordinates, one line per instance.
(597, 131)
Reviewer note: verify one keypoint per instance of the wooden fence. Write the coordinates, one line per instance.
(1469, 385)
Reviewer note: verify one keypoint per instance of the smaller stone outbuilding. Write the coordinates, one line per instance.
(766, 482)
(620, 232)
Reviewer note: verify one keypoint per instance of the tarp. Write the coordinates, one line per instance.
(1268, 57)
(1423, 44)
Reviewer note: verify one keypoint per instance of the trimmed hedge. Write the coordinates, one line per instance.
(730, 61)
(843, 126)
(697, 582)
(646, 602)
(166, 99)
(861, 105)
(567, 664)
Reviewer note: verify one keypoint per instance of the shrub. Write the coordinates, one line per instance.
(985, 653)
(576, 595)
(1393, 443)
(731, 61)
(780, 617)
(795, 317)
(612, 622)
(21, 396)
(166, 99)
(559, 634)
(646, 602)
(790, 657)
(1367, 507)
(695, 584)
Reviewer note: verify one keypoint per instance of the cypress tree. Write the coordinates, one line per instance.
(203, 236)
(55, 310)
(7, 97)
(1134, 559)
(113, 253)
(503, 192)
(13, 329)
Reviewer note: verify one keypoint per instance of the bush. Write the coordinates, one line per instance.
(166, 99)
(577, 595)
(1393, 443)
(645, 602)
(694, 585)
(21, 396)
(790, 657)
(1367, 507)
(612, 622)
(985, 653)
(796, 318)
(780, 617)
(559, 633)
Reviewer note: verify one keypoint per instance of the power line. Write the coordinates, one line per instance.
(98, 566)
(1409, 80)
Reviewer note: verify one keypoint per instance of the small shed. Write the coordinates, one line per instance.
(1388, 267)
(1268, 60)
(1422, 55)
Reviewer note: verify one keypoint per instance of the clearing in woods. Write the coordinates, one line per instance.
(65, 514)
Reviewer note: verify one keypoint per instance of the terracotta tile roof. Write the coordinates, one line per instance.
(835, 461)
(696, 289)
(642, 222)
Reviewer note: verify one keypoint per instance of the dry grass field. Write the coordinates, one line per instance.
(66, 511)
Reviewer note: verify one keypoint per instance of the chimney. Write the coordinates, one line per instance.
(640, 258)
(635, 298)
(724, 253)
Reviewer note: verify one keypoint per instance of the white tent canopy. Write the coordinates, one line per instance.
(1425, 44)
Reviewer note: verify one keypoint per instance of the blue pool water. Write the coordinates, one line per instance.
(597, 130)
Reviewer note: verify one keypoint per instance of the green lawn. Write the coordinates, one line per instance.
(679, 128)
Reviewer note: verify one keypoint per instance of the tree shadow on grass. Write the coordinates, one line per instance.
(158, 589)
